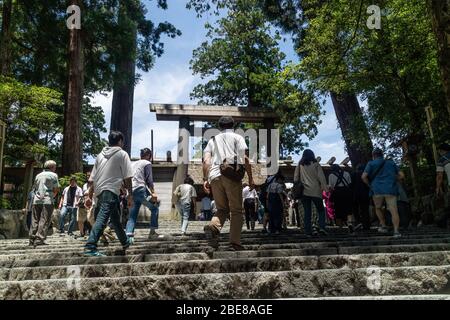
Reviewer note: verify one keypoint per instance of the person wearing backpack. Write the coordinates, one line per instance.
(381, 175)
(340, 182)
(225, 163)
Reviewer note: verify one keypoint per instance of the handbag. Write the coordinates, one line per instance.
(232, 171)
(298, 188)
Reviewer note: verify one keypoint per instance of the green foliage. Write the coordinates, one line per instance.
(5, 203)
(244, 66)
(33, 116)
(39, 58)
(80, 177)
(395, 69)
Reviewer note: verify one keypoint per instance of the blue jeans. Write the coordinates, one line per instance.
(72, 212)
(185, 213)
(108, 207)
(140, 198)
(318, 203)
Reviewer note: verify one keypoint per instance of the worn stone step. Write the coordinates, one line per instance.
(133, 267)
(81, 260)
(259, 285)
(252, 244)
(24, 260)
(251, 251)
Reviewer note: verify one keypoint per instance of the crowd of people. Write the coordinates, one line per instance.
(116, 185)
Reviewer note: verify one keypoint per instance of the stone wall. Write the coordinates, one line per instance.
(13, 224)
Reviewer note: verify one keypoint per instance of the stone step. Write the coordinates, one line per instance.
(399, 297)
(222, 254)
(67, 242)
(421, 280)
(147, 247)
(251, 244)
(133, 267)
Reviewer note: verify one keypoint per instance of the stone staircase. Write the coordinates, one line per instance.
(369, 266)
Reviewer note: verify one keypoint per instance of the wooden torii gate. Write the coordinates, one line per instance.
(185, 113)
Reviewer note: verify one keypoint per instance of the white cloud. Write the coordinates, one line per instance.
(172, 86)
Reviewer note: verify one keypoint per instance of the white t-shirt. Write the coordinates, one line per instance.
(139, 176)
(206, 203)
(111, 167)
(228, 145)
(249, 194)
(187, 192)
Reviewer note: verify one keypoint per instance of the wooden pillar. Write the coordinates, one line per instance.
(182, 153)
(29, 171)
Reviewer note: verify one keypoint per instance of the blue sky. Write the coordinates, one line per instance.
(171, 81)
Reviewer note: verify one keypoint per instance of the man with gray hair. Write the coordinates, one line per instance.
(45, 187)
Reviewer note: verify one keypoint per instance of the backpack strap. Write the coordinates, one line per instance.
(377, 171)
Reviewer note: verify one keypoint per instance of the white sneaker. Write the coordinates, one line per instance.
(397, 235)
(382, 230)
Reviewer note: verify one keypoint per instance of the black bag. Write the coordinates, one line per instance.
(232, 171)
(297, 190)
(298, 187)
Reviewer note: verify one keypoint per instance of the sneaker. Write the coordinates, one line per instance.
(40, 243)
(31, 242)
(351, 229)
(236, 247)
(323, 232)
(358, 226)
(127, 245)
(212, 235)
(315, 233)
(93, 253)
(382, 229)
(131, 240)
(264, 230)
(397, 235)
(154, 234)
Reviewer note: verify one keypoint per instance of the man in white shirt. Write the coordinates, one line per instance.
(226, 191)
(250, 206)
(112, 168)
(69, 205)
(143, 188)
(45, 187)
(186, 198)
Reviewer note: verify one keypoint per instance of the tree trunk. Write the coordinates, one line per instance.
(5, 44)
(124, 80)
(353, 127)
(72, 142)
(440, 17)
(122, 103)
